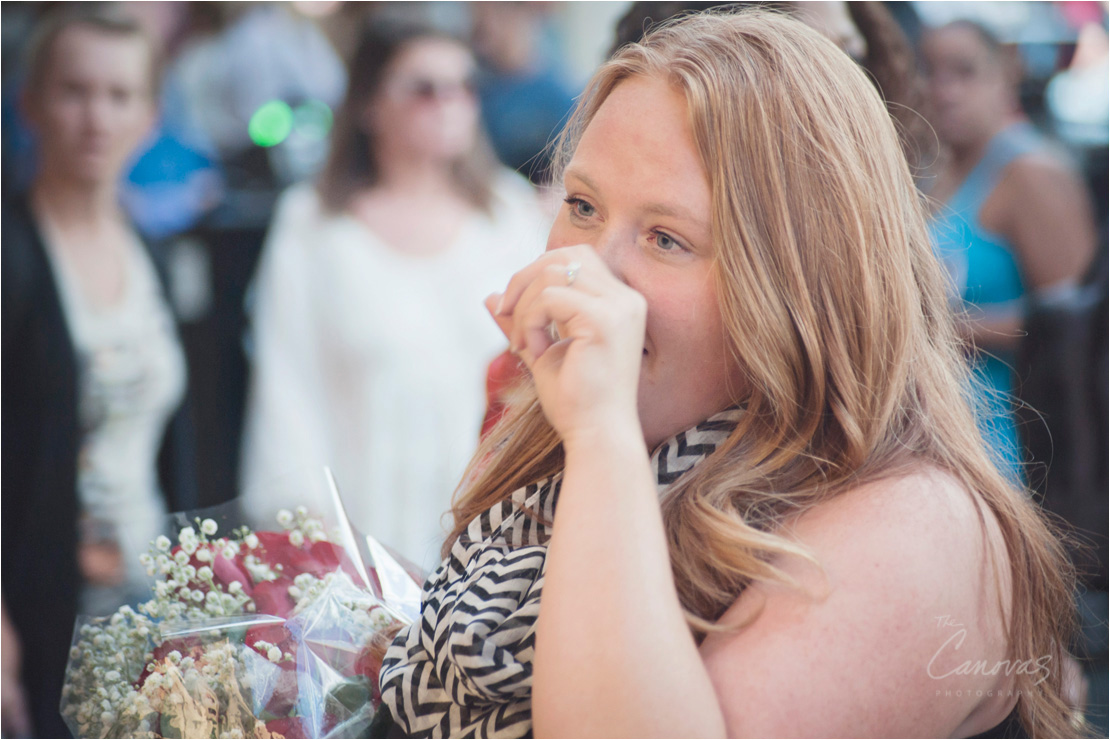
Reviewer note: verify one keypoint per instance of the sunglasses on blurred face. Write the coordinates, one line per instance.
(424, 90)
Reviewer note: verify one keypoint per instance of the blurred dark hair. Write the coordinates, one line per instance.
(103, 19)
(351, 165)
(890, 60)
(642, 16)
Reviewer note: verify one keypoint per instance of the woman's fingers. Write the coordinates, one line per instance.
(561, 275)
(578, 265)
(504, 322)
(569, 309)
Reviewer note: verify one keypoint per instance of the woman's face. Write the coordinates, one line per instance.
(638, 194)
(968, 89)
(426, 106)
(94, 106)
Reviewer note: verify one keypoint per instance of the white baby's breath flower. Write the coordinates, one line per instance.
(181, 557)
(204, 573)
(187, 533)
(198, 596)
(231, 549)
(204, 555)
(302, 512)
(295, 592)
(111, 676)
(251, 540)
(285, 518)
(162, 543)
(209, 527)
(274, 653)
(317, 535)
(296, 538)
(235, 587)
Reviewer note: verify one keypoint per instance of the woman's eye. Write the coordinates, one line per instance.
(581, 208)
(665, 242)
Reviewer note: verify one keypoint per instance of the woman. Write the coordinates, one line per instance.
(1011, 217)
(775, 515)
(370, 342)
(93, 369)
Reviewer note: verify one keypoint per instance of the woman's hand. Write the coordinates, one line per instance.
(587, 377)
(101, 563)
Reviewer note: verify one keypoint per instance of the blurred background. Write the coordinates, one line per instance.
(249, 97)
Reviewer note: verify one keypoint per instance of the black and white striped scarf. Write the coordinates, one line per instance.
(465, 668)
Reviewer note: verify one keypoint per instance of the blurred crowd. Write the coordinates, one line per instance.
(244, 241)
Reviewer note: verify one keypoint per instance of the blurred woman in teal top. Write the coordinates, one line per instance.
(1011, 216)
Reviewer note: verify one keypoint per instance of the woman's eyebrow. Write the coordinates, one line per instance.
(582, 178)
(668, 210)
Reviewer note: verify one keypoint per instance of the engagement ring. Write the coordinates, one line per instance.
(572, 272)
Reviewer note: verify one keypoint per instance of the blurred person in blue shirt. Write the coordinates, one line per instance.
(523, 93)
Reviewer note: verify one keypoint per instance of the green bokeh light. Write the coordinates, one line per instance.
(271, 124)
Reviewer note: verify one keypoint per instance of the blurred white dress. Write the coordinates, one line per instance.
(373, 362)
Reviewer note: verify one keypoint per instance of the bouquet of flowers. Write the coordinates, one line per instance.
(260, 634)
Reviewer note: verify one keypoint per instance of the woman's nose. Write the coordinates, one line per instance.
(97, 114)
(614, 245)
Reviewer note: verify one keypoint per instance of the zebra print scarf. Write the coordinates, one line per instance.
(465, 668)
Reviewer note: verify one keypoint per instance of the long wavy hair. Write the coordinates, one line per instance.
(837, 313)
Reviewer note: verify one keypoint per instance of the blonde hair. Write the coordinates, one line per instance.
(837, 314)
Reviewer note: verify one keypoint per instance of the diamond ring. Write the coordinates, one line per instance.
(572, 272)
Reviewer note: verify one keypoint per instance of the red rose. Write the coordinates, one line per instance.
(225, 571)
(272, 597)
(287, 727)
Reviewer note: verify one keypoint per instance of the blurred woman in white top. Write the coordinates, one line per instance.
(370, 345)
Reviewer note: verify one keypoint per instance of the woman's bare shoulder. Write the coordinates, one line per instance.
(926, 528)
(904, 604)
